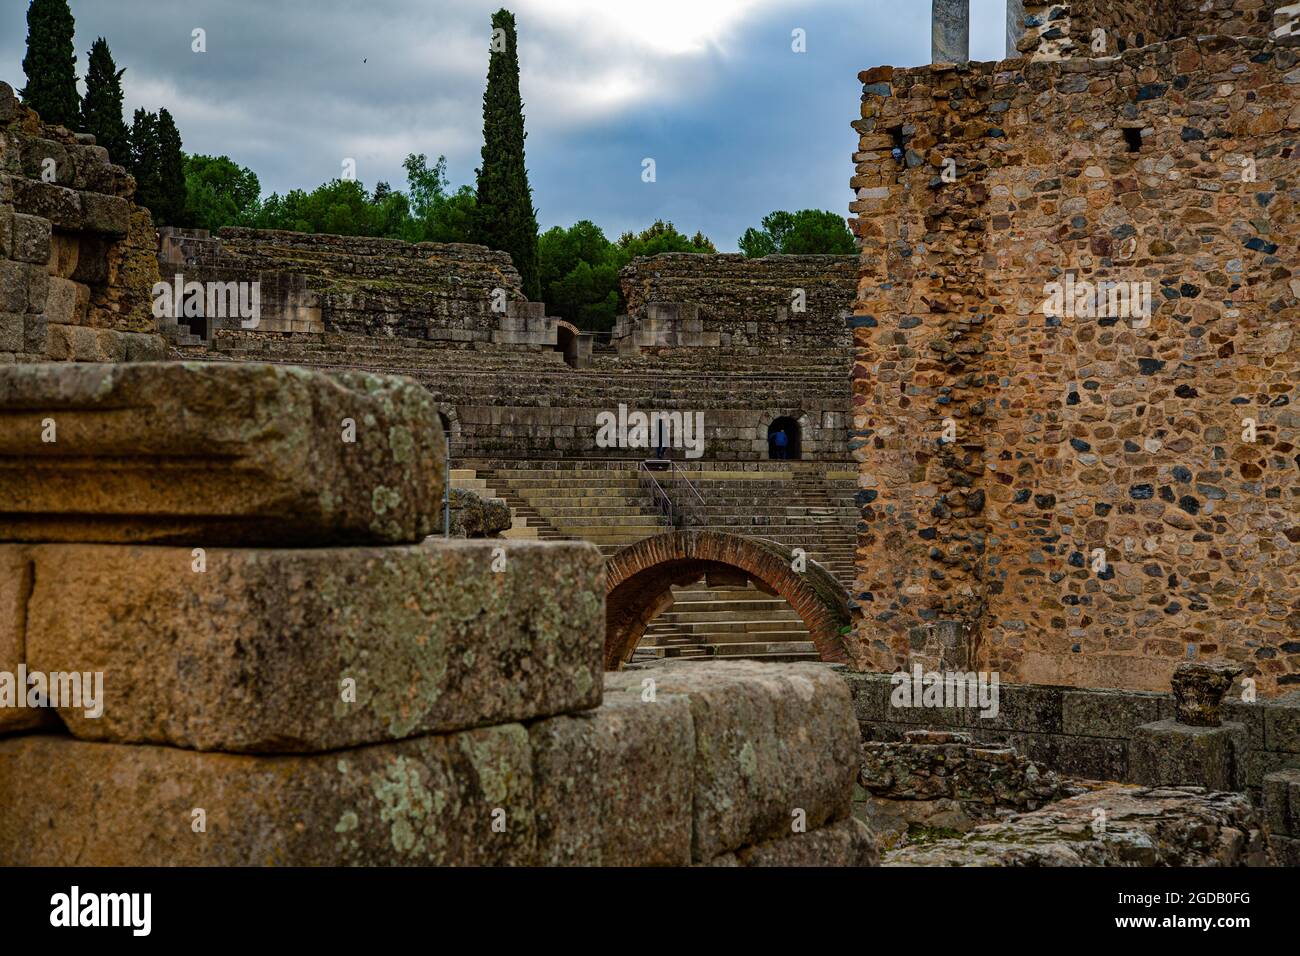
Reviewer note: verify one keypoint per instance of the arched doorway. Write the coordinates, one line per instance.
(792, 450)
(640, 577)
(566, 342)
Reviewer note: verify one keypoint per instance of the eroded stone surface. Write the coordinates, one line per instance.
(1185, 826)
(207, 454)
(474, 516)
(1199, 687)
(252, 654)
(773, 744)
(430, 801)
(613, 786)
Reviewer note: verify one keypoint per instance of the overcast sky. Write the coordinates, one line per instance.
(738, 124)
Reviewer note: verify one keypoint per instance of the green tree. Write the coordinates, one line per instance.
(219, 192)
(436, 214)
(505, 218)
(146, 161)
(171, 171)
(579, 268)
(661, 237)
(51, 64)
(101, 110)
(803, 233)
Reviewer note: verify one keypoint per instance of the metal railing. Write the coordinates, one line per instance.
(662, 499)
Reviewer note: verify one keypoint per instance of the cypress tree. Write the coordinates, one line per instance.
(51, 64)
(146, 162)
(101, 110)
(505, 218)
(171, 171)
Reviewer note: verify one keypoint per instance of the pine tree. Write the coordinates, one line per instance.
(101, 110)
(146, 162)
(505, 218)
(51, 64)
(171, 171)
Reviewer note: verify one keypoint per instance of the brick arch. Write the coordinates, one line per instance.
(640, 577)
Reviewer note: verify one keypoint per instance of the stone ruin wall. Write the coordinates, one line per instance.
(352, 285)
(1081, 433)
(426, 309)
(749, 302)
(1065, 28)
(76, 255)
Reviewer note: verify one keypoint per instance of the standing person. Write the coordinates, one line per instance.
(779, 442)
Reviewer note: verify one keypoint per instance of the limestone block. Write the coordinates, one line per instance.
(216, 453)
(144, 347)
(252, 654)
(774, 744)
(15, 277)
(423, 802)
(612, 786)
(1167, 753)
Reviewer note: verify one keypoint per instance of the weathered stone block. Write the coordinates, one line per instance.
(1026, 707)
(1260, 763)
(1281, 799)
(108, 215)
(1104, 713)
(774, 744)
(844, 843)
(11, 332)
(423, 802)
(268, 445)
(67, 302)
(278, 650)
(1169, 753)
(613, 786)
(31, 242)
(144, 347)
(1143, 827)
(15, 278)
(1282, 723)
(15, 586)
(59, 204)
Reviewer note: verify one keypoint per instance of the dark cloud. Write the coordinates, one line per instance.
(736, 122)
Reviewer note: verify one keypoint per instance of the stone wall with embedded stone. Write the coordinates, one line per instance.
(76, 255)
(1086, 494)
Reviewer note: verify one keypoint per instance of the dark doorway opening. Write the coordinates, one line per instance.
(788, 448)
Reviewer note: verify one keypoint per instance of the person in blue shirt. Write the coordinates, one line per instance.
(779, 442)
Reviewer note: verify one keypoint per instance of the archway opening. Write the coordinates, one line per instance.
(784, 439)
(566, 342)
(641, 579)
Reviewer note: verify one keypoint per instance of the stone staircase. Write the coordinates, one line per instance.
(521, 525)
(604, 505)
(706, 622)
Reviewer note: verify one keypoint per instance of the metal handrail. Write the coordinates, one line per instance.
(667, 505)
